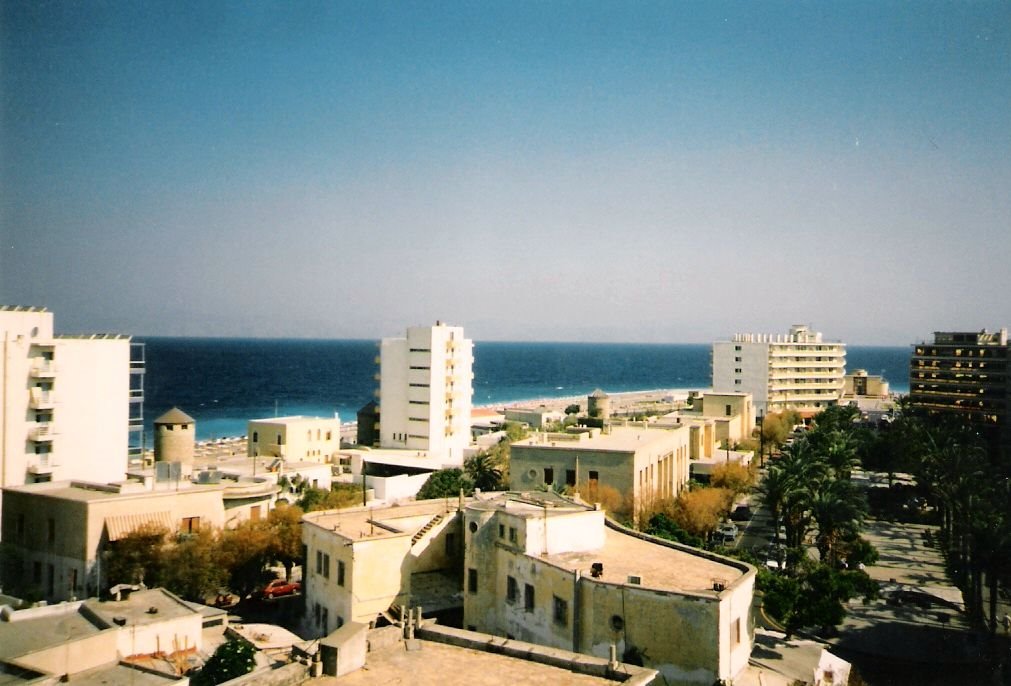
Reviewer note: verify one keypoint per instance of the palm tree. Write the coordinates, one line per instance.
(838, 510)
(484, 472)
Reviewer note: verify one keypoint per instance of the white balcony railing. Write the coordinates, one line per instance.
(43, 369)
(41, 432)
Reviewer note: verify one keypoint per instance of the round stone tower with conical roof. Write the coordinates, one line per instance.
(175, 434)
(598, 405)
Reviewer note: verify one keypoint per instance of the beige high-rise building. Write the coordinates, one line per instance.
(795, 371)
(68, 404)
(425, 389)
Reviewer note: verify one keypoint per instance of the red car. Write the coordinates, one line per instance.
(279, 587)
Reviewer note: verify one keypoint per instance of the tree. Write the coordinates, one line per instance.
(285, 524)
(515, 431)
(192, 566)
(662, 526)
(446, 483)
(733, 476)
(137, 557)
(232, 659)
(339, 495)
(572, 409)
(484, 471)
(245, 552)
(838, 511)
(700, 511)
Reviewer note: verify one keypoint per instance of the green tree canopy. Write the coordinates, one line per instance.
(232, 659)
(446, 483)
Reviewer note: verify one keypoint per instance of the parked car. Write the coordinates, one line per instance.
(280, 587)
(728, 532)
(741, 513)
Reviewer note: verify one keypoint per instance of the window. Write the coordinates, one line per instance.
(728, 410)
(37, 572)
(472, 580)
(501, 530)
(561, 611)
(256, 436)
(326, 566)
(280, 439)
(512, 534)
(329, 435)
(735, 631)
(570, 477)
(319, 561)
(528, 598)
(737, 359)
(340, 572)
(594, 477)
(254, 513)
(189, 525)
(512, 590)
(549, 475)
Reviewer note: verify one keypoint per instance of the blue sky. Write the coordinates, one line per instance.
(635, 171)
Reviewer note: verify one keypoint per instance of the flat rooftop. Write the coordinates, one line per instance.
(618, 439)
(438, 664)
(39, 628)
(141, 607)
(85, 492)
(119, 673)
(398, 457)
(364, 523)
(658, 566)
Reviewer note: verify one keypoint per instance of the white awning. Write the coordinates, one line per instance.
(119, 526)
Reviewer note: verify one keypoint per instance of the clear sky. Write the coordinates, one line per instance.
(616, 171)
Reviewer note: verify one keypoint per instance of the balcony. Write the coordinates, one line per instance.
(43, 369)
(42, 432)
(41, 399)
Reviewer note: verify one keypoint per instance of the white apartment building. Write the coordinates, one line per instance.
(68, 404)
(798, 371)
(425, 389)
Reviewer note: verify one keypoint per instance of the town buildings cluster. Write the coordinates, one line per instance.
(529, 565)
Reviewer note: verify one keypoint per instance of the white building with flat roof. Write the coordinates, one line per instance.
(425, 389)
(306, 439)
(795, 371)
(68, 404)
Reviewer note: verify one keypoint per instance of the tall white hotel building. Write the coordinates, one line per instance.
(70, 405)
(798, 371)
(425, 391)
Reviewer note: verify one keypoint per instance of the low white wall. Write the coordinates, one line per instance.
(393, 488)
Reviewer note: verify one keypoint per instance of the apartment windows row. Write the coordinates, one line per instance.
(570, 476)
(559, 606)
(323, 567)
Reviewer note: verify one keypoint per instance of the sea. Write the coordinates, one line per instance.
(224, 382)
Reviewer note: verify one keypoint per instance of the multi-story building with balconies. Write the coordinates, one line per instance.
(70, 406)
(795, 371)
(964, 374)
(425, 389)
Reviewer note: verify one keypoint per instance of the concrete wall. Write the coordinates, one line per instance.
(93, 381)
(395, 488)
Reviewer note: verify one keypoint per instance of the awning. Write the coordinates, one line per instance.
(119, 526)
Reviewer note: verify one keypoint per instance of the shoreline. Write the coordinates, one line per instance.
(619, 399)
